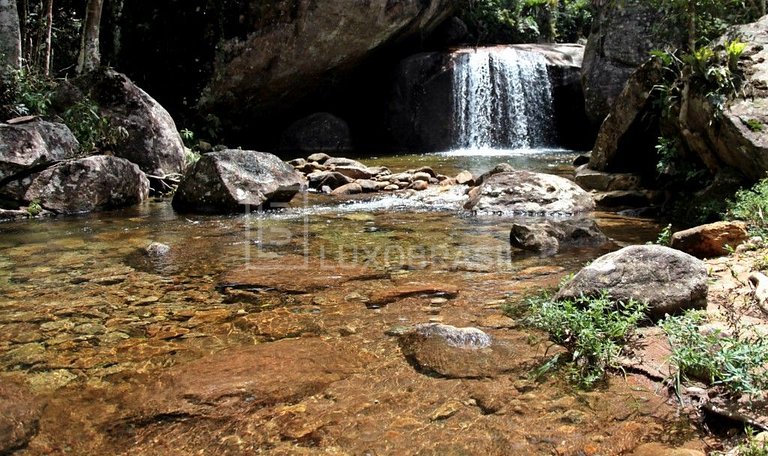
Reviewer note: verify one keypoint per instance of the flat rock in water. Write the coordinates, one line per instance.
(528, 193)
(232, 382)
(294, 274)
(668, 280)
(430, 290)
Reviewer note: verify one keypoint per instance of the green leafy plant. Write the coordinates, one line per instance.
(665, 236)
(24, 92)
(737, 364)
(593, 330)
(34, 209)
(734, 49)
(754, 125)
(752, 446)
(92, 130)
(751, 206)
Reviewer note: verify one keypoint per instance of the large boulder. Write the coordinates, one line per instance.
(421, 108)
(30, 146)
(623, 34)
(89, 184)
(528, 193)
(281, 52)
(667, 280)
(737, 136)
(231, 180)
(152, 140)
(319, 132)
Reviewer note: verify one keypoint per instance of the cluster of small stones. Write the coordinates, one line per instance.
(344, 176)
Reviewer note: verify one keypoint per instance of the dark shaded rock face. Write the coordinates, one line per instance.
(626, 139)
(623, 34)
(88, 184)
(31, 145)
(273, 66)
(421, 107)
(319, 132)
(527, 193)
(550, 236)
(232, 180)
(667, 280)
(152, 141)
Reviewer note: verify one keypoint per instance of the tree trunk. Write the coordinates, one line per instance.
(47, 39)
(10, 35)
(117, 15)
(89, 48)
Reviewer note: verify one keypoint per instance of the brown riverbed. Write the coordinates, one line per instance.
(269, 333)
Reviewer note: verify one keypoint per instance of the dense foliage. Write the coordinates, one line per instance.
(524, 21)
(751, 205)
(593, 330)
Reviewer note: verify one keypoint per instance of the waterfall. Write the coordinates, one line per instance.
(502, 99)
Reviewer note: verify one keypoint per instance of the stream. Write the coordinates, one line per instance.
(116, 341)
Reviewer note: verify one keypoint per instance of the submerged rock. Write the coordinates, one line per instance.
(550, 236)
(33, 145)
(528, 193)
(19, 415)
(89, 184)
(668, 280)
(451, 352)
(231, 180)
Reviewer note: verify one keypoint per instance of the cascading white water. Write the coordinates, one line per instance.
(502, 99)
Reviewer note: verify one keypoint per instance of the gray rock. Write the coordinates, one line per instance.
(152, 141)
(527, 193)
(500, 168)
(33, 145)
(89, 184)
(623, 34)
(727, 139)
(668, 280)
(550, 236)
(349, 189)
(232, 180)
(318, 157)
(590, 179)
(330, 179)
(157, 249)
(322, 132)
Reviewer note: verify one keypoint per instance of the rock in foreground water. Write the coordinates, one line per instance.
(547, 237)
(667, 280)
(232, 180)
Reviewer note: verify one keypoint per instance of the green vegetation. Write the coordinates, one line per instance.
(665, 236)
(593, 330)
(754, 125)
(93, 131)
(751, 206)
(752, 446)
(737, 364)
(524, 21)
(34, 209)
